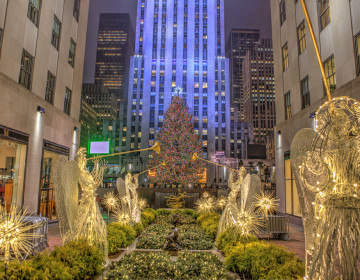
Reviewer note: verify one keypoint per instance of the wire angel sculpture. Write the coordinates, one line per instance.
(248, 186)
(326, 165)
(129, 198)
(79, 219)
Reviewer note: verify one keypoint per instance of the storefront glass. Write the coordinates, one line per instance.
(292, 199)
(47, 195)
(12, 172)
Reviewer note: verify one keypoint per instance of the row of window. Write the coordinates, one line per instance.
(25, 77)
(305, 97)
(34, 8)
(323, 13)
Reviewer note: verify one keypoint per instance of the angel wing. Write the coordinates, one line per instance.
(120, 186)
(245, 187)
(300, 148)
(66, 177)
(254, 189)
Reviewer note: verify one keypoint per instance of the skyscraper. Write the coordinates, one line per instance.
(114, 49)
(258, 90)
(180, 43)
(240, 41)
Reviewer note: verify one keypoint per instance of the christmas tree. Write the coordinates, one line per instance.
(178, 144)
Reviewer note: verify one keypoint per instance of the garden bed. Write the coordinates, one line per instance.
(191, 235)
(158, 265)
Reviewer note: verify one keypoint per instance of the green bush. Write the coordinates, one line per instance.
(138, 227)
(147, 218)
(230, 238)
(84, 260)
(152, 211)
(75, 260)
(264, 261)
(119, 236)
(209, 223)
(163, 212)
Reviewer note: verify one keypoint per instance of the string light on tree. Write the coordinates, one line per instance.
(178, 143)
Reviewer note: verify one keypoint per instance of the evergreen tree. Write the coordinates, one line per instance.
(178, 145)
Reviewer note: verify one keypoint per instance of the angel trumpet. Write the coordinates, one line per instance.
(156, 148)
(162, 164)
(196, 157)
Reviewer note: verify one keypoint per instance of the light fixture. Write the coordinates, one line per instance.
(312, 115)
(278, 132)
(40, 109)
(76, 129)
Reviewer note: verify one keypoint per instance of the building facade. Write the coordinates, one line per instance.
(180, 43)
(41, 66)
(240, 41)
(115, 46)
(88, 121)
(259, 90)
(299, 89)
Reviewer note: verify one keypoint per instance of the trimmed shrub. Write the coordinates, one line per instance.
(163, 212)
(119, 236)
(230, 238)
(152, 211)
(147, 218)
(264, 261)
(75, 260)
(84, 260)
(138, 227)
(209, 223)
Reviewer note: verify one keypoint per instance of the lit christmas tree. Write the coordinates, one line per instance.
(178, 144)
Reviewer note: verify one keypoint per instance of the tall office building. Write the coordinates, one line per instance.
(240, 41)
(259, 90)
(299, 89)
(42, 46)
(180, 43)
(115, 46)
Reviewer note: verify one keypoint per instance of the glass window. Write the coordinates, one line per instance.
(301, 37)
(292, 205)
(287, 106)
(329, 66)
(47, 198)
(72, 50)
(12, 172)
(285, 56)
(324, 13)
(1, 36)
(357, 53)
(34, 10)
(305, 92)
(67, 101)
(50, 87)
(282, 12)
(55, 38)
(76, 10)
(26, 68)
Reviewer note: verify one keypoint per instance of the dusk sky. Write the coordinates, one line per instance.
(238, 14)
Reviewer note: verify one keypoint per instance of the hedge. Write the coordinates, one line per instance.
(75, 260)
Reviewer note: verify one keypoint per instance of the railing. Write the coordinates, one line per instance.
(277, 226)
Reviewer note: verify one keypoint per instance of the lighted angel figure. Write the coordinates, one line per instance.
(326, 165)
(133, 183)
(248, 186)
(79, 219)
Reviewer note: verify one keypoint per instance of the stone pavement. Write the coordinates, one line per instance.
(297, 243)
